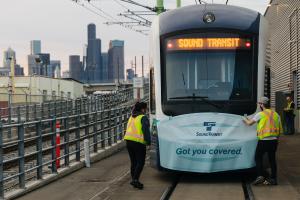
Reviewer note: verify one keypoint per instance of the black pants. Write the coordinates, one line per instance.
(290, 124)
(270, 147)
(137, 154)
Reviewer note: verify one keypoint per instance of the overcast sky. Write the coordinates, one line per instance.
(61, 26)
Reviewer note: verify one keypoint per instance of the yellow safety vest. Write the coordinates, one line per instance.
(288, 108)
(134, 130)
(269, 124)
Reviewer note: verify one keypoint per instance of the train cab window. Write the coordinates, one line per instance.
(208, 67)
(214, 75)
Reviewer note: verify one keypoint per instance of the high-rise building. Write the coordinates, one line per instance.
(75, 67)
(116, 60)
(35, 47)
(33, 66)
(104, 66)
(44, 63)
(7, 56)
(93, 60)
(19, 71)
(130, 74)
(54, 69)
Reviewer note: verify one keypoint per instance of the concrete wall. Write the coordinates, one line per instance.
(34, 86)
(283, 52)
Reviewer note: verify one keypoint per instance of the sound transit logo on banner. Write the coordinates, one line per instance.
(209, 126)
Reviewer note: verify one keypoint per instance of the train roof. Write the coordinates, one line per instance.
(226, 16)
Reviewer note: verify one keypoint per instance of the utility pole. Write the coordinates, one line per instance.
(135, 74)
(159, 6)
(118, 72)
(143, 66)
(178, 3)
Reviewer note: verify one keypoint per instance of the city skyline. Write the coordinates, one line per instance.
(64, 36)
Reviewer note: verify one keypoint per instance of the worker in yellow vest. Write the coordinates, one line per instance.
(137, 136)
(269, 128)
(289, 116)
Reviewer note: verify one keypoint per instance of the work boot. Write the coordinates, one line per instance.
(132, 183)
(259, 180)
(137, 184)
(270, 181)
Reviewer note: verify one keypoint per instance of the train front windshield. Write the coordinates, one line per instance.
(203, 69)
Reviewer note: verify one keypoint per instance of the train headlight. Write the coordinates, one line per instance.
(209, 17)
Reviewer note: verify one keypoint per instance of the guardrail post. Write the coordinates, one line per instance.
(87, 124)
(61, 107)
(1, 163)
(116, 127)
(66, 140)
(109, 128)
(49, 110)
(97, 103)
(34, 112)
(53, 145)
(19, 114)
(55, 106)
(42, 111)
(102, 127)
(120, 124)
(21, 153)
(39, 149)
(124, 121)
(77, 135)
(80, 106)
(27, 113)
(95, 132)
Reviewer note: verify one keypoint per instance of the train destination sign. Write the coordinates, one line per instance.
(207, 43)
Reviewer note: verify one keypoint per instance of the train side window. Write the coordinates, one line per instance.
(152, 92)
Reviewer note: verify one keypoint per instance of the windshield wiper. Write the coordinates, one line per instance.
(202, 98)
(190, 97)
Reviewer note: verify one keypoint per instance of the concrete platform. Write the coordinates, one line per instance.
(155, 183)
(288, 172)
(109, 180)
(87, 183)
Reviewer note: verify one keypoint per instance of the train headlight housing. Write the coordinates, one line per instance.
(209, 17)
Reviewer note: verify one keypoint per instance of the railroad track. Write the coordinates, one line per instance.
(195, 187)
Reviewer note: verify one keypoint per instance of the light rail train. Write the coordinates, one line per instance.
(208, 71)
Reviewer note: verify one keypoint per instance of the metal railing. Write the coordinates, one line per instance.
(30, 153)
(60, 108)
(26, 159)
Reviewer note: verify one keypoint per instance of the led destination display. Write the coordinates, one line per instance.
(208, 43)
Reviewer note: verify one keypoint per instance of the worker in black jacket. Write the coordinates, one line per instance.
(137, 136)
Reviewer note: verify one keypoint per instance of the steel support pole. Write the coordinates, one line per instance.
(53, 145)
(95, 136)
(1, 163)
(77, 137)
(178, 3)
(66, 140)
(159, 6)
(21, 153)
(39, 149)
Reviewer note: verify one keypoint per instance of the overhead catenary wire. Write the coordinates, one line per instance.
(104, 15)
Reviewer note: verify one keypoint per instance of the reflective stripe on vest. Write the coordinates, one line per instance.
(134, 130)
(288, 108)
(269, 124)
